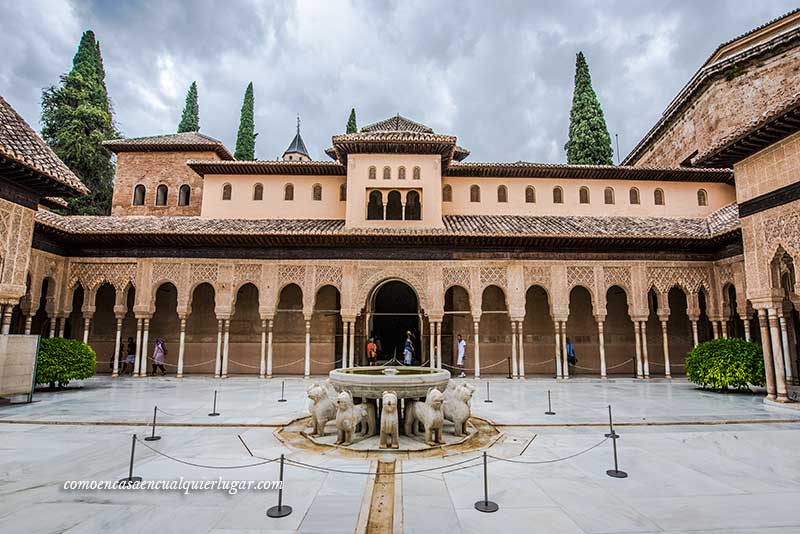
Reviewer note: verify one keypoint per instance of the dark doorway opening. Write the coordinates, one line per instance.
(395, 311)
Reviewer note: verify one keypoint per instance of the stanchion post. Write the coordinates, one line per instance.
(549, 405)
(486, 505)
(214, 412)
(130, 479)
(153, 437)
(281, 510)
(282, 399)
(488, 399)
(509, 368)
(615, 473)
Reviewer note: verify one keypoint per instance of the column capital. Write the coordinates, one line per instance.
(600, 317)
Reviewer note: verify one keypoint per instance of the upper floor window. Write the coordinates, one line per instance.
(394, 206)
(447, 193)
(183, 195)
(316, 192)
(138, 195)
(530, 194)
(161, 195)
(288, 192)
(375, 206)
(475, 193)
(608, 195)
(401, 173)
(502, 194)
(658, 197)
(372, 173)
(416, 173)
(634, 195)
(343, 192)
(702, 198)
(413, 210)
(387, 173)
(583, 195)
(258, 192)
(226, 192)
(558, 195)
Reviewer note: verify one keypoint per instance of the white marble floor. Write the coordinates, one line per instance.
(690, 476)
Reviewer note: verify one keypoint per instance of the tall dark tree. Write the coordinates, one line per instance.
(76, 118)
(246, 137)
(589, 142)
(190, 118)
(351, 122)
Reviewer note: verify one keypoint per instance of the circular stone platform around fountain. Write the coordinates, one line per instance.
(408, 382)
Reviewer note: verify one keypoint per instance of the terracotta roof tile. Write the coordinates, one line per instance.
(186, 141)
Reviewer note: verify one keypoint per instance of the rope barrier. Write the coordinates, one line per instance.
(670, 364)
(326, 363)
(185, 462)
(231, 360)
(170, 414)
(371, 473)
(189, 365)
(288, 364)
(554, 460)
(501, 362)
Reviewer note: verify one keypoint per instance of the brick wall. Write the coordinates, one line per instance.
(152, 169)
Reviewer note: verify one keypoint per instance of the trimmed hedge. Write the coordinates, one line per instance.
(726, 363)
(61, 360)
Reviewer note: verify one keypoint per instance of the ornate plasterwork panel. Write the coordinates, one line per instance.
(725, 274)
(328, 275)
(617, 276)
(539, 276)
(246, 272)
(203, 272)
(168, 271)
(455, 276)
(690, 278)
(784, 229)
(580, 275)
(493, 276)
(16, 234)
(92, 275)
(292, 274)
(369, 277)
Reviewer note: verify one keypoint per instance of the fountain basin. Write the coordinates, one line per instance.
(409, 382)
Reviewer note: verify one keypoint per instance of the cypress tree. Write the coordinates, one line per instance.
(246, 137)
(589, 142)
(351, 122)
(190, 118)
(76, 119)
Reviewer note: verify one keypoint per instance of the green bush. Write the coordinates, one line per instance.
(61, 360)
(726, 363)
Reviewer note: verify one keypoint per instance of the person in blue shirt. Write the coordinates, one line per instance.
(571, 359)
(408, 350)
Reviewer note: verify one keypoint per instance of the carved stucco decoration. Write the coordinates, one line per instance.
(455, 276)
(93, 275)
(493, 276)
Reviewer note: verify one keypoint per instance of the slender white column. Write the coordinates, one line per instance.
(87, 321)
(352, 346)
(564, 348)
(521, 351)
(54, 325)
(6, 327)
(439, 344)
(117, 346)
(218, 359)
(746, 322)
(644, 350)
(476, 327)
(777, 356)
(766, 349)
(514, 371)
(262, 368)
(665, 341)
(269, 349)
(144, 349)
(225, 346)
(61, 326)
(181, 348)
(715, 329)
(559, 372)
(787, 357)
(602, 339)
(432, 343)
(28, 324)
(638, 336)
(307, 366)
(695, 337)
(345, 335)
(138, 355)
(724, 328)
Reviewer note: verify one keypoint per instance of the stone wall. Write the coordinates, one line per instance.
(16, 234)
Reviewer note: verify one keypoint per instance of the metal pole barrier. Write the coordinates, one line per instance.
(486, 505)
(509, 368)
(130, 479)
(549, 405)
(615, 473)
(487, 393)
(153, 437)
(281, 510)
(214, 412)
(282, 399)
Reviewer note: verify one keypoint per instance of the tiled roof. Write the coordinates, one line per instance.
(754, 30)
(41, 169)
(723, 220)
(53, 202)
(186, 141)
(306, 168)
(397, 123)
(297, 146)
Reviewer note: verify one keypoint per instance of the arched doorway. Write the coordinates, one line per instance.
(393, 310)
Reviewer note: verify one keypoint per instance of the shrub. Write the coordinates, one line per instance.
(724, 363)
(61, 360)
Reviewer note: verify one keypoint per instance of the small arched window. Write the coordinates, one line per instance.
(530, 194)
(258, 192)
(183, 195)
(288, 192)
(372, 173)
(394, 206)
(343, 192)
(475, 193)
(138, 195)
(502, 194)
(608, 195)
(316, 192)
(558, 195)
(658, 197)
(161, 195)
(702, 198)
(583, 195)
(401, 173)
(375, 206)
(447, 193)
(634, 195)
(387, 173)
(417, 172)
(413, 206)
(226, 192)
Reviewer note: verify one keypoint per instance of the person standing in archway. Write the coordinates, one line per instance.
(372, 352)
(462, 351)
(408, 350)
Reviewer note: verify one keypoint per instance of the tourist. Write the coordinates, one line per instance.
(571, 359)
(408, 350)
(159, 354)
(462, 350)
(130, 358)
(372, 352)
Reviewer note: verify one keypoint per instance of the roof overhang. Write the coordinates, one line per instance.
(120, 145)
(394, 143)
(22, 175)
(308, 168)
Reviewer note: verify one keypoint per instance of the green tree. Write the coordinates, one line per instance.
(589, 142)
(76, 118)
(246, 137)
(190, 118)
(351, 122)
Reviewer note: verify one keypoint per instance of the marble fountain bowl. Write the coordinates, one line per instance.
(409, 382)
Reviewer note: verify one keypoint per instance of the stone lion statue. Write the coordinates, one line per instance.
(456, 407)
(349, 416)
(429, 413)
(322, 409)
(389, 421)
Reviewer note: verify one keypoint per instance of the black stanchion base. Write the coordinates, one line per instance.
(152, 438)
(549, 413)
(279, 511)
(614, 473)
(612, 435)
(127, 481)
(214, 414)
(488, 400)
(282, 400)
(486, 506)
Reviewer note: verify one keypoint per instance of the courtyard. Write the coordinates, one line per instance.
(697, 461)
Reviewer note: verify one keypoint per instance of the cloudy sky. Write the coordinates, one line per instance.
(497, 74)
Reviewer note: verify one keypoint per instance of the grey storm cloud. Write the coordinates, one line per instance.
(497, 74)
